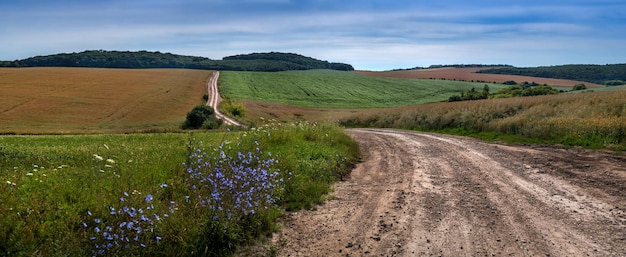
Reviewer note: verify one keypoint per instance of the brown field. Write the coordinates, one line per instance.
(469, 74)
(87, 100)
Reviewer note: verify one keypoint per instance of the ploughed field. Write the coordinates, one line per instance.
(469, 74)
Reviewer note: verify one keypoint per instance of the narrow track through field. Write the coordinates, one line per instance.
(215, 99)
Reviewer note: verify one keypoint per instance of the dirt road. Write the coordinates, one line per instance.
(215, 99)
(418, 194)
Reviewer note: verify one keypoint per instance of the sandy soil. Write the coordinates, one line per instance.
(418, 194)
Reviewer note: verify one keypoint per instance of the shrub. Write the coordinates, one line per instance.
(236, 109)
(579, 87)
(614, 83)
(201, 116)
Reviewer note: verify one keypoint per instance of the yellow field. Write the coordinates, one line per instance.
(87, 100)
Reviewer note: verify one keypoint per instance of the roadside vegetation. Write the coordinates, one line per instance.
(186, 194)
(337, 89)
(589, 119)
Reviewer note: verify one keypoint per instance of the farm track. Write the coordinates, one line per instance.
(215, 99)
(419, 194)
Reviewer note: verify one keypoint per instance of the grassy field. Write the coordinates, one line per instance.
(71, 100)
(589, 119)
(149, 194)
(337, 89)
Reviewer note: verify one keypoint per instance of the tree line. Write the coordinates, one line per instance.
(610, 74)
(515, 90)
(273, 61)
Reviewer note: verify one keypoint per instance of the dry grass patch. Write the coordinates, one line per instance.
(70, 100)
(591, 119)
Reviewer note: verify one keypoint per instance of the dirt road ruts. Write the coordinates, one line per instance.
(215, 99)
(420, 194)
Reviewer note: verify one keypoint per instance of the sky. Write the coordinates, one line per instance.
(369, 34)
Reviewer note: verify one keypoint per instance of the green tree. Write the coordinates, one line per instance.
(579, 87)
(201, 116)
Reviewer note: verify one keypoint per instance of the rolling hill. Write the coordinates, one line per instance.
(273, 61)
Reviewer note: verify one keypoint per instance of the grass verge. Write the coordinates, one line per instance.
(161, 194)
(590, 119)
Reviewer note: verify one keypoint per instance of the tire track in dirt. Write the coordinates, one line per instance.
(215, 99)
(419, 194)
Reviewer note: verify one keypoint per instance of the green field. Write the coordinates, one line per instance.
(338, 89)
(78, 195)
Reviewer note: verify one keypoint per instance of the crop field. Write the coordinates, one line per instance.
(469, 74)
(337, 89)
(69, 100)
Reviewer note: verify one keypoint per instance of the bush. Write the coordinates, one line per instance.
(579, 87)
(201, 116)
(614, 83)
(235, 109)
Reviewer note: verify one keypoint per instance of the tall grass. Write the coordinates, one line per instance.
(591, 119)
(161, 194)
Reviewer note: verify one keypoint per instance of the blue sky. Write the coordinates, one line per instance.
(370, 35)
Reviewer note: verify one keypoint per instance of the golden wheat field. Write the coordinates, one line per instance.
(85, 100)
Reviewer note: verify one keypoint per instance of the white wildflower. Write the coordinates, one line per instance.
(98, 157)
(110, 161)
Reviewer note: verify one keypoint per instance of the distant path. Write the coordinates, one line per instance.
(215, 99)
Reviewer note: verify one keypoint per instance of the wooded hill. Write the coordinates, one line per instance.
(143, 59)
(610, 74)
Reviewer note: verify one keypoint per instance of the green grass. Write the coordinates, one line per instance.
(338, 89)
(50, 183)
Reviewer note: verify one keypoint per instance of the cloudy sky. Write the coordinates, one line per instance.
(369, 34)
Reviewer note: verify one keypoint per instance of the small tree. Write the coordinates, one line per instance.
(579, 87)
(198, 116)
